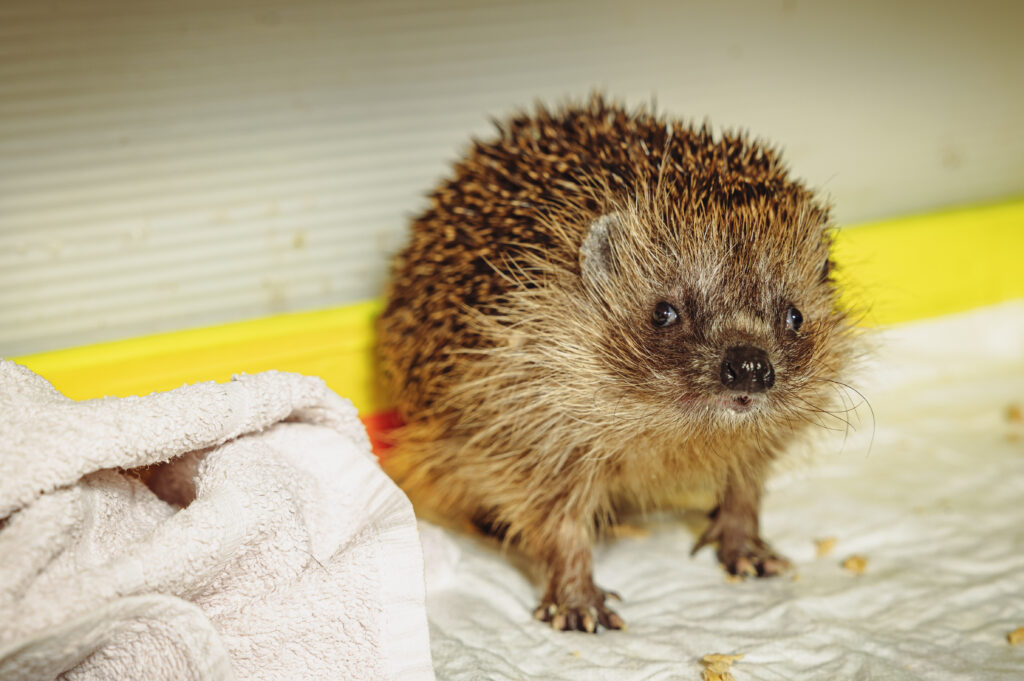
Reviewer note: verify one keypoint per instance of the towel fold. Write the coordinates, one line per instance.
(216, 531)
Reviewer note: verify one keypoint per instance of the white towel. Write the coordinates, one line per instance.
(273, 548)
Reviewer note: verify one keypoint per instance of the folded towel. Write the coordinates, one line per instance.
(261, 541)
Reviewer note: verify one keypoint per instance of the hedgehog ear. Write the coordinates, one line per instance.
(826, 269)
(596, 251)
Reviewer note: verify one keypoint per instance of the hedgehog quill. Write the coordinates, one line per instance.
(604, 311)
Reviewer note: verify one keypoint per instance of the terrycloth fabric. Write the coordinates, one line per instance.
(270, 546)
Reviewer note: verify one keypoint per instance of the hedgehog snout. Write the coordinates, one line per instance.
(746, 369)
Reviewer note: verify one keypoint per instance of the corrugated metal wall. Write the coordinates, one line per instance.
(174, 164)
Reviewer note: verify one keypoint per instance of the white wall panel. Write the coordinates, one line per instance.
(173, 164)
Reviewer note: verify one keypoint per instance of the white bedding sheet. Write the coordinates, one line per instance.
(931, 494)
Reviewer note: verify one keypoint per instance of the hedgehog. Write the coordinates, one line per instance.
(607, 311)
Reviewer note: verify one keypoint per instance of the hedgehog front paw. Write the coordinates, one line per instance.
(580, 616)
(740, 552)
(753, 558)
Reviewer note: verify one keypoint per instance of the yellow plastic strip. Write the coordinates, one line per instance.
(335, 344)
(896, 270)
(930, 265)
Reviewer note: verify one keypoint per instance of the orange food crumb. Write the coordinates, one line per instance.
(716, 667)
(856, 564)
(825, 546)
(628, 531)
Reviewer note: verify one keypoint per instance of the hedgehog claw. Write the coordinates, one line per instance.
(585, 618)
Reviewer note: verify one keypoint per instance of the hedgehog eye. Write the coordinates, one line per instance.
(794, 319)
(664, 315)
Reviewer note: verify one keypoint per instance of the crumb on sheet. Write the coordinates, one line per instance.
(856, 564)
(825, 546)
(1016, 637)
(716, 667)
(629, 531)
(1015, 416)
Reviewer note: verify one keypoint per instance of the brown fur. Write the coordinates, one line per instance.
(537, 393)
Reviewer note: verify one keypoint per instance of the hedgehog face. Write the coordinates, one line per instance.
(723, 324)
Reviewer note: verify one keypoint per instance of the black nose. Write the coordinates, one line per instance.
(747, 369)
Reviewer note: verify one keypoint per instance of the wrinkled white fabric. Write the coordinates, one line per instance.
(930, 492)
(271, 546)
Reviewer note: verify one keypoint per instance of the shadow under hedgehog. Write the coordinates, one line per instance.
(606, 311)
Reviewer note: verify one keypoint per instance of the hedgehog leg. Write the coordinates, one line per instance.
(572, 601)
(735, 529)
